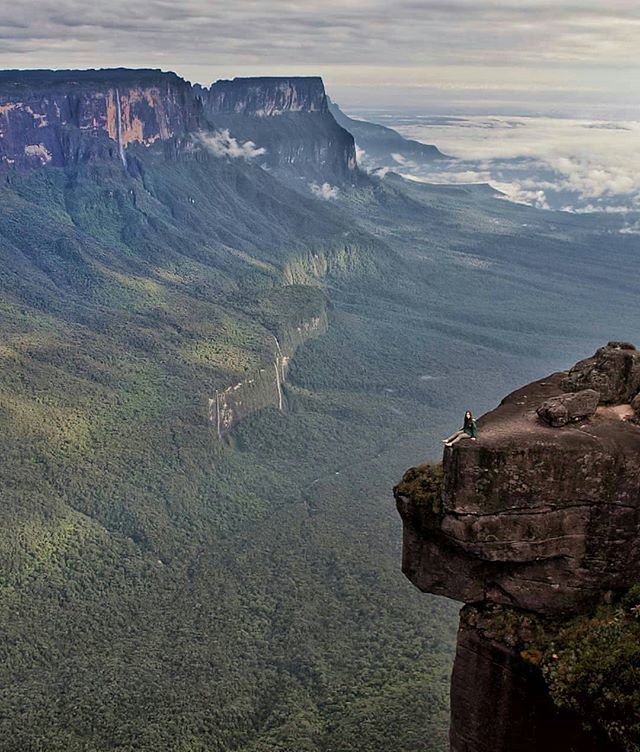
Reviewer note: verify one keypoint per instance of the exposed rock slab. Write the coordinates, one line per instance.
(541, 518)
(500, 702)
(614, 371)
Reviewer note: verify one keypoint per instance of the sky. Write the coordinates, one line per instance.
(548, 57)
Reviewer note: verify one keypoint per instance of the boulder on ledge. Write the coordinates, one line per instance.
(614, 371)
(568, 408)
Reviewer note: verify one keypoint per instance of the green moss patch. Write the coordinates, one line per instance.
(423, 485)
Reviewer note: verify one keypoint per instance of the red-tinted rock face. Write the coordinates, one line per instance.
(537, 519)
(541, 518)
(64, 117)
(58, 117)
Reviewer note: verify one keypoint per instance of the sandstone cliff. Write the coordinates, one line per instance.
(539, 516)
(289, 118)
(265, 387)
(60, 117)
(267, 96)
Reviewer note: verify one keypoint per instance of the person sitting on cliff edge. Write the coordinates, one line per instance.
(469, 429)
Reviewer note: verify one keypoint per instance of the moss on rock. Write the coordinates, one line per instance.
(423, 485)
(592, 667)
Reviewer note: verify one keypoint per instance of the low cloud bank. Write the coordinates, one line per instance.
(550, 163)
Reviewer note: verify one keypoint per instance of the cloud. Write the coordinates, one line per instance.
(478, 46)
(596, 179)
(632, 229)
(325, 191)
(518, 195)
(222, 144)
(560, 163)
(405, 163)
(463, 177)
(606, 126)
(597, 209)
(361, 157)
(356, 32)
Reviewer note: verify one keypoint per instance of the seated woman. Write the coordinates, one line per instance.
(469, 429)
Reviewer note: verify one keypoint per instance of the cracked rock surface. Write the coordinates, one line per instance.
(534, 516)
(539, 518)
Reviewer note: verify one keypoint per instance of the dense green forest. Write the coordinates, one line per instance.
(164, 590)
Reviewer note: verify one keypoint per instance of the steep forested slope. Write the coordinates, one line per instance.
(163, 589)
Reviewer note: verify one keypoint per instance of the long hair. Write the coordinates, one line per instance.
(468, 419)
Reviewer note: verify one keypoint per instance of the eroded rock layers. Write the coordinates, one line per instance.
(540, 515)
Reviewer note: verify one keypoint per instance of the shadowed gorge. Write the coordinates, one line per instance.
(532, 524)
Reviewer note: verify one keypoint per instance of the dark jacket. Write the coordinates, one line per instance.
(470, 427)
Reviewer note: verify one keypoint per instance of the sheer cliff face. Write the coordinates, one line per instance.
(500, 702)
(289, 118)
(267, 97)
(539, 516)
(59, 117)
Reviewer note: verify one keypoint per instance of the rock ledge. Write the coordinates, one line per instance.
(538, 517)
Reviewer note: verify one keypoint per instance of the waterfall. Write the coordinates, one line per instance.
(119, 129)
(279, 364)
(218, 426)
(279, 387)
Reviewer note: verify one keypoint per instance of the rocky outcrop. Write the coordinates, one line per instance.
(62, 117)
(614, 371)
(540, 515)
(558, 411)
(540, 518)
(289, 119)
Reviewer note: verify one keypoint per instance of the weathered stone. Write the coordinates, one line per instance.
(566, 408)
(541, 519)
(499, 702)
(635, 405)
(62, 117)
(267, 96)
(289, 118)
(614, 371)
